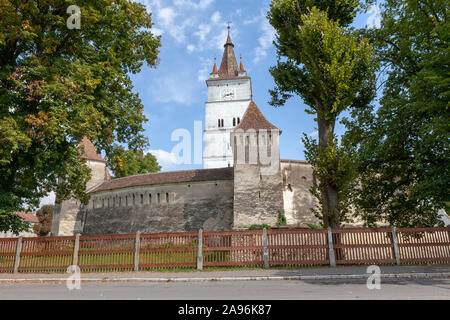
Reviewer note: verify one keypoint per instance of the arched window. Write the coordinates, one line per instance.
(239, 120)
(218, 123)
(222, 123)
(234, 122)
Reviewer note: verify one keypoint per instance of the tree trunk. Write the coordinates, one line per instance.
(329, 192)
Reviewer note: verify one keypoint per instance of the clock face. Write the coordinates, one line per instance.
(227, 94)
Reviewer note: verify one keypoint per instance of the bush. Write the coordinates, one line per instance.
(259, 227)
(45, 216)
(281, 219)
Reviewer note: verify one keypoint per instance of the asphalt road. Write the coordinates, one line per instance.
(233, 290)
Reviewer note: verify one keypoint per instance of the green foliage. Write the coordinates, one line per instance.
(58, 85)
(45, 217)
(281, 219)
(132, 162)
(314, 226)
(259, 227)
(331, 67)
(403, 146)
(9, 221)
(333, 167)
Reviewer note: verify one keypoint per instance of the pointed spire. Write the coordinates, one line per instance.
(214, 68)
(228, 67)
(241, 67)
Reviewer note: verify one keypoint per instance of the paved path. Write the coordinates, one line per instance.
(234, 290)
(321, 271)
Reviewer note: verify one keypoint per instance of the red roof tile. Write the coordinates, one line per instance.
(90, 152)
(254, 119)
(27, 216)
(167, 177)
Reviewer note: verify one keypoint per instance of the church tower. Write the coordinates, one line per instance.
(229, 94)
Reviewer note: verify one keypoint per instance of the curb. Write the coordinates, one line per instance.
(261, 278)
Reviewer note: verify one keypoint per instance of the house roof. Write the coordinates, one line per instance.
(90, 152)
(166, 177)
(27, 216)
(254, 119)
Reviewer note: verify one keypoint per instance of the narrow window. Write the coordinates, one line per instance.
(222, 123)
(167, 197)
(218, 123)
(150, 199)
(159, 198)
(134, 200)
(234, 122)
(239, 120)
(142, 199)
(126, 201)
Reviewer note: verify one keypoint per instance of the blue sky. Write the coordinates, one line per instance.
(193, 32)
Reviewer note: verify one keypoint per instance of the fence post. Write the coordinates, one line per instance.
(76, 249)
(18, 250)
(331, 249)
(137, 251)
(395, 242)
(265, 250)
(200, 250)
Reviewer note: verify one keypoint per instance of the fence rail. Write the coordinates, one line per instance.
(286, 247)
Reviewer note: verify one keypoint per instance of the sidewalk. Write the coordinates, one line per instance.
(321, 273)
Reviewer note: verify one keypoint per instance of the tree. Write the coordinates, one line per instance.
(330, 66)
(45, 216)
(403, 146)
(131, 162)
(58, 85)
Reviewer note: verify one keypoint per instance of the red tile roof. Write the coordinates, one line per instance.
(214, 68)
(254, 119)
(90, 152)
(167, 177)
(27, 216)
(228, 67)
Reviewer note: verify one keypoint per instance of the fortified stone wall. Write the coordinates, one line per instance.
(66, 218)
(297, 178)
(160, 208)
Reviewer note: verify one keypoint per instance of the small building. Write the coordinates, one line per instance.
(29, 217)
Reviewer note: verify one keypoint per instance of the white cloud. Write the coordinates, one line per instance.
(314, 134)
(206, 68)
(265, 40)
(190, 48)
(165, 159)
(49, 199)
(200, 5)
(216, 17)
(157, 31)
(203, 31)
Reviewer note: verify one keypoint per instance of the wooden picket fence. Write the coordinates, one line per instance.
(259, 248)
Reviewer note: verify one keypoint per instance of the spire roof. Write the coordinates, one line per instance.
(241, 67)
(90, 152)
(214, 68)
(254, 119)
(229, 66)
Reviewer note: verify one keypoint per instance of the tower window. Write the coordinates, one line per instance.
(159, 198)
(142, 199)
(234, 122)
(239, 120)
(167, 197)
(218, 123)
(222, 123)
(149, 198)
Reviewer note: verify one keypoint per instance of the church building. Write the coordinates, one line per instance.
(244, 182)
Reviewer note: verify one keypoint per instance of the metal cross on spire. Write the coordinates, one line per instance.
(229, 26)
